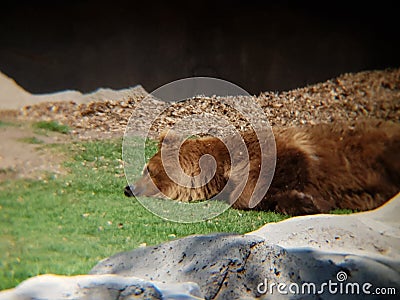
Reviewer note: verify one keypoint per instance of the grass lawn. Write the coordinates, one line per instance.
(52, 126)
(65, 225)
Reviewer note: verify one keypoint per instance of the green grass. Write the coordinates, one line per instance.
(52, 126)
(31, 140)
(7, 124)
(65, 225)
(343, 211)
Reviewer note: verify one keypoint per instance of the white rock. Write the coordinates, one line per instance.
(99, 287)
(316, 249)
(373, 233)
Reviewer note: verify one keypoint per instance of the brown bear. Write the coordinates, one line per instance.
(318, 169)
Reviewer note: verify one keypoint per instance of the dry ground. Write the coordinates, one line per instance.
(24, 152)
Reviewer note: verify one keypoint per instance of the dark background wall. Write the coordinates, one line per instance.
(260, 45)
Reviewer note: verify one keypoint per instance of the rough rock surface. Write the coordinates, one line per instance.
(369, 233)
(99, 287)
(317, 257)
(364, 248)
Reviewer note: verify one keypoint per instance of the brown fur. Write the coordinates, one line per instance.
(318, 169)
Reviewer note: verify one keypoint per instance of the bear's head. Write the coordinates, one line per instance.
(195, 169)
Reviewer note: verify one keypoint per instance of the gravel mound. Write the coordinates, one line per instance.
(349, 97)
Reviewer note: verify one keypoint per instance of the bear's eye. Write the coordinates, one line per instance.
(147, 171)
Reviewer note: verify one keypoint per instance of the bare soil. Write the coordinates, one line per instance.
(24, 153)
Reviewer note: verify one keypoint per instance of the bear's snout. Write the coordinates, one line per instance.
(128, 191)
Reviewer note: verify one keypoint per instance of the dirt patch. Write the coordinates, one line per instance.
(26, 154)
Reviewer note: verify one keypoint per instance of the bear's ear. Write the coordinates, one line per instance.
(168, 137)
